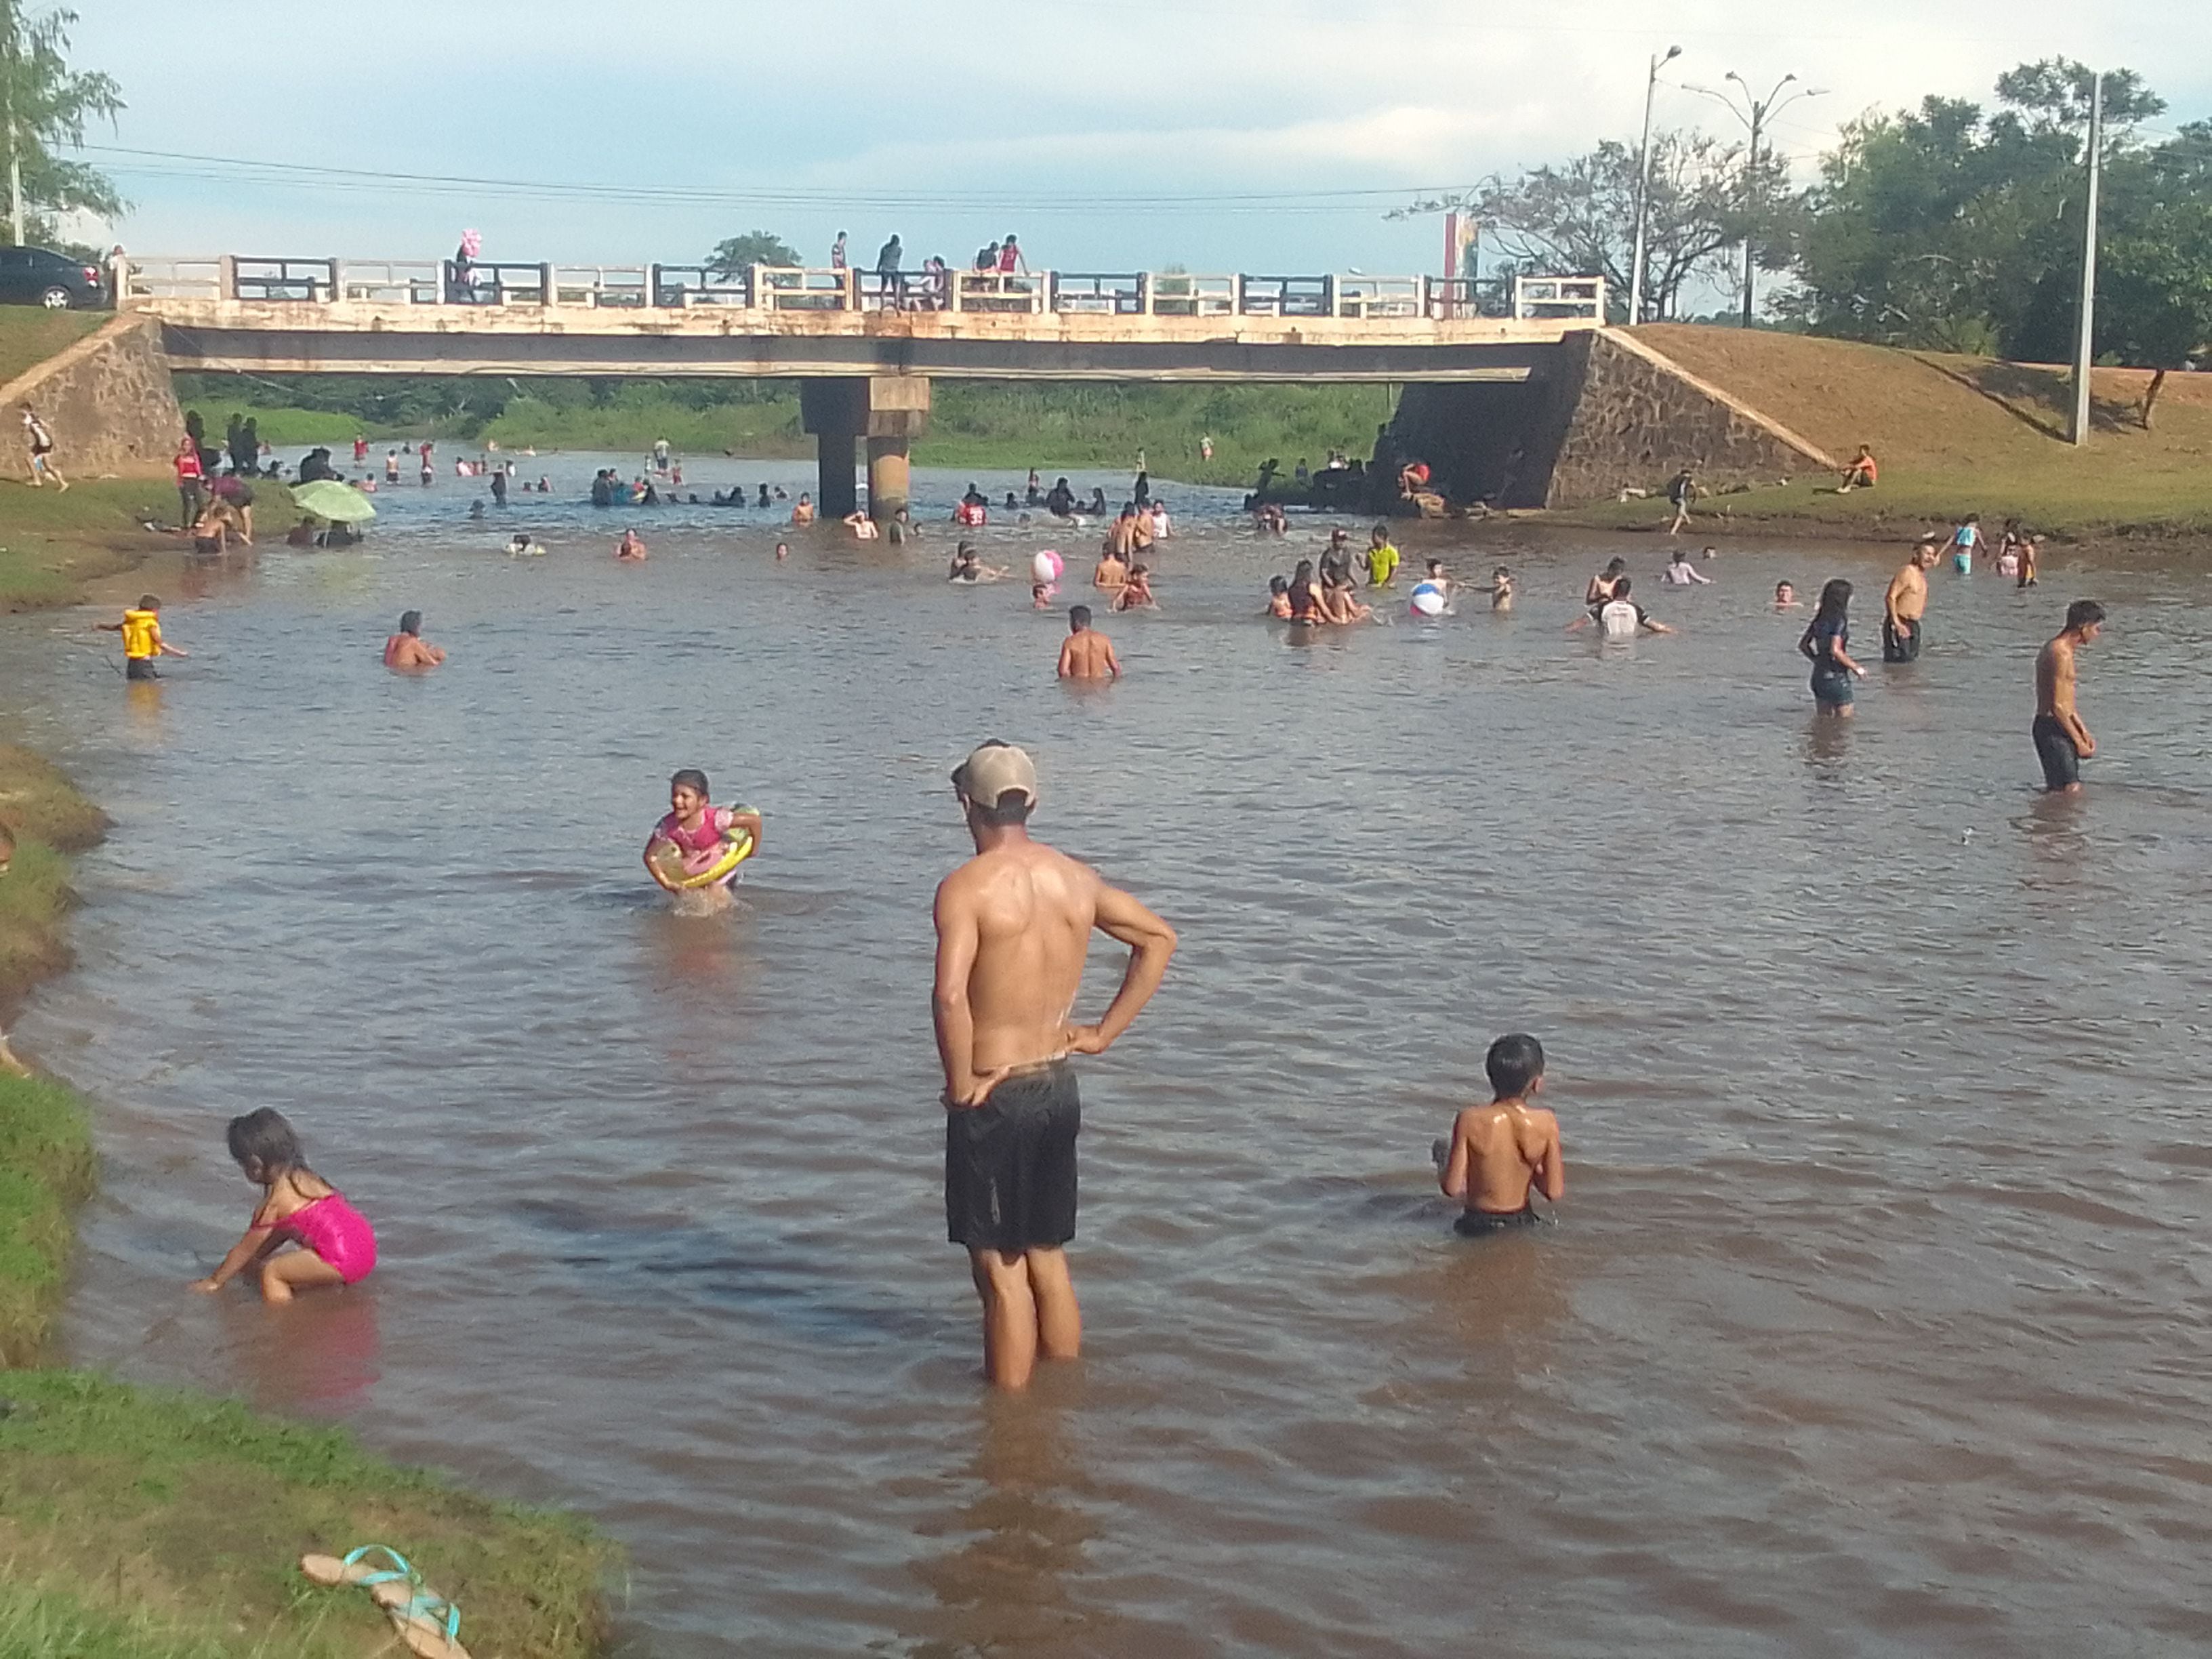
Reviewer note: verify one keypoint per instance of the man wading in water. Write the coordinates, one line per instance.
(2061, 742)
(1012, 927)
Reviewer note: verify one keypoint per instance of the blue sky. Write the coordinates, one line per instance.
(1112, 135)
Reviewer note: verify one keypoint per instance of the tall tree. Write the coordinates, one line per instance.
(44, 105)
(1579, 217)
(755, 247)
(2154, 273)
(1951, 228)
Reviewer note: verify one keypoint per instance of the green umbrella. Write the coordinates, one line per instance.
(339, 503)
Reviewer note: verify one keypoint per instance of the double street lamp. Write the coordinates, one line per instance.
(1760, 111)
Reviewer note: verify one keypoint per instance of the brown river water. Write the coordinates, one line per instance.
(1876, 1319)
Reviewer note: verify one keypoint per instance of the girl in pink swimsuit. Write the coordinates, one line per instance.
(695, 829)
(336, 1246)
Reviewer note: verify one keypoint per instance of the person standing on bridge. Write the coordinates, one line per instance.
(1010, 258)
(887, 268)
(837, 252)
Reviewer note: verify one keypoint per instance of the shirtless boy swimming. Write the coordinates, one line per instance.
(1501, 1153)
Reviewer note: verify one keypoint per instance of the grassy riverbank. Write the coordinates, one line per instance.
(51, 541)
(29, 335)
(1010, 425)
(149, 1524)
(1954, 435)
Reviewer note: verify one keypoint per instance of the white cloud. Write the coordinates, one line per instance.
(1040, 109)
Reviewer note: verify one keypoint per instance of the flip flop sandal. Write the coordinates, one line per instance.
(430, 1624)
(330, 1571)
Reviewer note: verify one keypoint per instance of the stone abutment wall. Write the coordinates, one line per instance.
(109, 401)
(1602, 413)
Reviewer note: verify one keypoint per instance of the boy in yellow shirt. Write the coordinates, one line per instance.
(140, 629)
(1380, 559)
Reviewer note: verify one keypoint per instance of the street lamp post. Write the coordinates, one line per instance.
(2085, 322)
(1643, 189)
(1760, 111)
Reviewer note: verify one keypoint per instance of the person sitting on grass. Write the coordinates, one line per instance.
(1860, 474)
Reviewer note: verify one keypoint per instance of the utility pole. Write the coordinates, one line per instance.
(2086, 322)
(1644, 190)
(16, 184)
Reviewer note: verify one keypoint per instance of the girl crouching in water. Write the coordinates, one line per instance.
(298, 1206)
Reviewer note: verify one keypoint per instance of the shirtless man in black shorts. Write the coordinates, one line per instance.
(1013, 924)
(2061, 742)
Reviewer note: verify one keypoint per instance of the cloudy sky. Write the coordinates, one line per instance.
(1266, 135)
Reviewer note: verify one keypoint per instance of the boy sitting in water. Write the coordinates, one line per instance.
(1501, 1153)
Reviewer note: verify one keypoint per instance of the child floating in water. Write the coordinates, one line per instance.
(337, 1245)
(696, 837)
(1499, 1154)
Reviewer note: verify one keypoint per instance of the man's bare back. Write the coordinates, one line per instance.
(1085, 655)
(1014, 926)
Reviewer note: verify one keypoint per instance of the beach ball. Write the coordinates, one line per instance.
(1046, 567)
(1428, 600)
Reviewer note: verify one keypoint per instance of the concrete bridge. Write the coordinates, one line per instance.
(864, 345)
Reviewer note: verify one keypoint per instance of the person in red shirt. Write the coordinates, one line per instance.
(1010, 258)
(1860, 474)
(190, 477)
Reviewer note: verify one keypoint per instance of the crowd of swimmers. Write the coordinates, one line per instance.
(1500, 1157)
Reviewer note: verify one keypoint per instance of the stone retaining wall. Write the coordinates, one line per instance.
(109, 401)
(1602, 413)
(1637, 418)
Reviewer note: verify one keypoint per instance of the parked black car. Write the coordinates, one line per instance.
(39, 276)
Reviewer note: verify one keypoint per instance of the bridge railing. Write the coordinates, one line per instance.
(804, 288)
(602, 286)
(1006, 293)
(497, 282)
(178, 279)
(683, 286)
(1350, 295)
(1179, 294)
(1098, 294)
(410, 281)
(1287, 296)
(1363, 296)
(306, 281)
(1558, 297)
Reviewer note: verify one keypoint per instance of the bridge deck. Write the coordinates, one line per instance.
(386, 337)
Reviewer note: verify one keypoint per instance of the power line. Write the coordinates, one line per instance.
(247, 170)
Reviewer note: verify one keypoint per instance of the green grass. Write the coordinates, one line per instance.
(31, 334)
(40, 811)
(51, 541)
(1954, 435)
(979, 423)
(166, 1522)
(37, 800)
(46, 1171)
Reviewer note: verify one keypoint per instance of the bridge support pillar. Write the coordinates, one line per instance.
(887, 477)
(888, 410)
